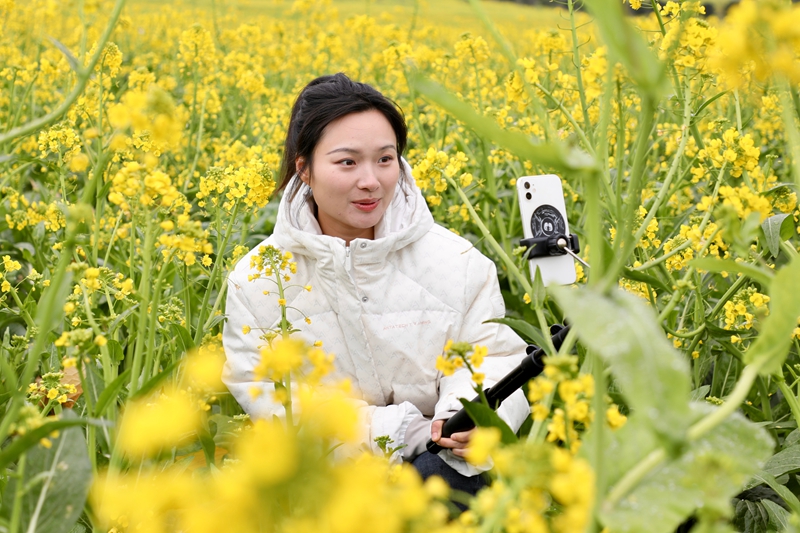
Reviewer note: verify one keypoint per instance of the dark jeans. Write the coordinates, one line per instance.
(428, 464)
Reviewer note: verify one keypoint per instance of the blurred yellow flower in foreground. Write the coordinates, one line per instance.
(149, 425)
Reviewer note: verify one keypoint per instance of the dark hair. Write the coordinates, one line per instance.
(322, 101)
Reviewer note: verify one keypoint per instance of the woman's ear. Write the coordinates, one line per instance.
(301, 169)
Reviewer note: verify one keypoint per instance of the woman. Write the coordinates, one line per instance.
(390, 286)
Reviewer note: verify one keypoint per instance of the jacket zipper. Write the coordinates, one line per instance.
(347, 257)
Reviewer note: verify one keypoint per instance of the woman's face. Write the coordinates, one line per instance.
(355, 171)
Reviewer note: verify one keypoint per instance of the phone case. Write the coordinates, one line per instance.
(543, 212)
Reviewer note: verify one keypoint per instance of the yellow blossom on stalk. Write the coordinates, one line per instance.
(328, 413)
(572, 485)
(151, 424)
(266, 437)
(252, 183)
(196, 48)
(203, 368)
(280, 359)
(614, 418)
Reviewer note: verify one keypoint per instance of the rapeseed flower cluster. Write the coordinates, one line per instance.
(458, 355)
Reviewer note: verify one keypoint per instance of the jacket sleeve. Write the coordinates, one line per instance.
(505, 351)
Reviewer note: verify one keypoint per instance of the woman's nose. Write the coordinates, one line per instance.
(368, 179)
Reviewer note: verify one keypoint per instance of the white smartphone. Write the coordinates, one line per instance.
(541, 205)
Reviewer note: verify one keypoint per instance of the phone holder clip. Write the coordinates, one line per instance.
(553, 245)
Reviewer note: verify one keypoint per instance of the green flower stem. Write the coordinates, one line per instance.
(151, 327)
(788, 249)
(703, 223)
(507, 261)
(578, 130)
(791, 398)
(212, 279)
(683, 284)
(505, 48)
(198, 145)
(537, 434)
(144, 304)
(660, 259)
(223, 290)
(662, 193)
(578, 76)
(285, 332)
(109, 371)
(23, 313)
(657, 456)
(83, 76)
(598, 445)
(792, 133)
(19, 493)
(634, 191)
(594, 222)
(91, 429)
(602, 137)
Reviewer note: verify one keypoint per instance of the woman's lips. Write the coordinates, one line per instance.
(366, 205)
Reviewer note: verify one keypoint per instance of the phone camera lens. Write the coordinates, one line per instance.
(528, 195)
(527, 185)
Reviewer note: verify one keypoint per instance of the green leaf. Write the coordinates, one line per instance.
(769, 350)
(654, 282)
(56, 481)
(530, 334)
(539, 293)
(707, 103)
(156, 380)
(777, 229)
(786, 494)
(22, 443)
(115, 351)
(626, 43)
(485, 417)
(183, 337)
(553, 155)
(707, 475)
(778, 516)
(710, 264)
(651, 374)
(786, 460)
(111, 392)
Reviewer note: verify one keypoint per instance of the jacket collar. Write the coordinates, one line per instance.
(406, 220)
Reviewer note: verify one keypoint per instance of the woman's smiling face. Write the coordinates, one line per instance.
(355, 171)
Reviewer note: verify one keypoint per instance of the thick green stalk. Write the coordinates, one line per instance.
(144, 304)
(625, 245)
(19, 493)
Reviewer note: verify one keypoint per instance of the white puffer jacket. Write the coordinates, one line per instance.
(385, 308)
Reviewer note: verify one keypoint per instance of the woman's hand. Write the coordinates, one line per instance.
(457, 442)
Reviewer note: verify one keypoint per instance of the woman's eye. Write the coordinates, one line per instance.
(347, 162)
(386, 159)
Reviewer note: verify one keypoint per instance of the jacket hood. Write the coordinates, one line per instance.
(407, 219)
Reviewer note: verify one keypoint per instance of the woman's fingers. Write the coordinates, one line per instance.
(457, 442)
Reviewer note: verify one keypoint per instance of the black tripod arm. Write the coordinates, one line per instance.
(530, 367)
